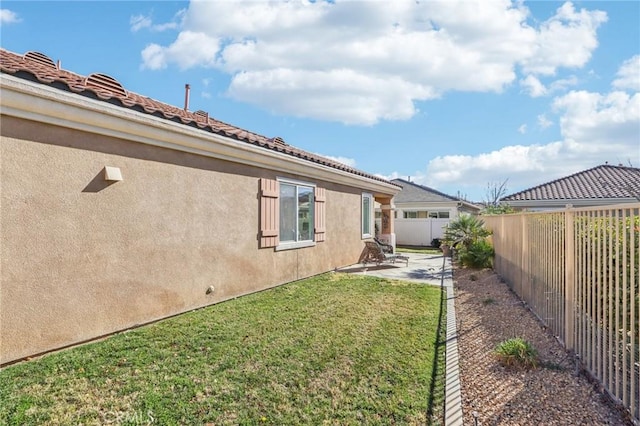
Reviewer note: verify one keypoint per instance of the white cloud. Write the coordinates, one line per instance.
(629, 75)
(351, 162)
(362, 62)
(418, 177)
(563, 84)
(153, 57)
(188, 50)
(533, 87)
(9, 17)
(595, 128)
(601, 122)
(138, 22)
(565, 40)
(165, 26)
(544, 122)
(522, 129)
(336, 95)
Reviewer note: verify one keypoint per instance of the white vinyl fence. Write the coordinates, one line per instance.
(418, 232)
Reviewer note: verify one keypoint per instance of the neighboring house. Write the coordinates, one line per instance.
(598, 186)
(119, 210)
(421, 213)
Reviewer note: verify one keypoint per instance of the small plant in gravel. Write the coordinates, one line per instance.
(517, 352)
(554, 366)
(473, 277)
(488, 301)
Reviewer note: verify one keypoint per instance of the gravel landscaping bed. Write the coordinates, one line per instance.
(551, 394)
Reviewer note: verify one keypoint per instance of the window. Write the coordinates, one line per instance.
(415, 215)
(296, 213)
(367, 215)
(421, 214)
(439, 215)
(292, 214)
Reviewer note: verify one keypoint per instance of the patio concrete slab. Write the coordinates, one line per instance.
(424, 268)
(432, 270)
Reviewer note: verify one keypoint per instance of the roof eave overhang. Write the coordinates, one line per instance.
(471, 206)
(36, 102)
(443, 204)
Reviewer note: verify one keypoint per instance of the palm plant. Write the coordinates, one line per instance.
(465, 231)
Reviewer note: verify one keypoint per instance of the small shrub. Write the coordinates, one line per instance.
(553, 366)
(473, 277)
(498, 209)
(436, 243)
(479, 255)
(517, 352)
(488, 301)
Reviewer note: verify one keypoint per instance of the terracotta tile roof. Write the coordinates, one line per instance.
(601, 182)
(37, 67)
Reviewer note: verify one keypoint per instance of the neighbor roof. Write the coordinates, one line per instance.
(598, 183)
(37, 67)
(414, 193)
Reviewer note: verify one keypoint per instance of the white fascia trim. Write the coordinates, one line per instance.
(36, 102)
(428, 205)
(295, 181)
(470, 206)
(561, 204)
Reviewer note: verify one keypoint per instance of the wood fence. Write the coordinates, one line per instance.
(578, 270)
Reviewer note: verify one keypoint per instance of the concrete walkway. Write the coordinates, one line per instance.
(432, 270)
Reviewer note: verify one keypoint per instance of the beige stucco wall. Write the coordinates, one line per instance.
(81, 259)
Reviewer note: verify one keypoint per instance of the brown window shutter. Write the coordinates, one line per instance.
(269, 212)
(319, 214)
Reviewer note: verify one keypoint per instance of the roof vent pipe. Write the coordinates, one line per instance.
(59, 64)
(187, 89)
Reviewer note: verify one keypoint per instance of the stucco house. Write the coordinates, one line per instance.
(119, 210)
(421, 213)
(598, 186)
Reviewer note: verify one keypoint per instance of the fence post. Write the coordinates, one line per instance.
(524, 260)
(569, 278)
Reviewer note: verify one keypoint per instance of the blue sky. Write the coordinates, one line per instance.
(456, 95)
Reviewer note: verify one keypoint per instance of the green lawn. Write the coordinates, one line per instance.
(421, 250)
(333, 349)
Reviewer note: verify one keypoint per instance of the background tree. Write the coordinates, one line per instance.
(494, 192)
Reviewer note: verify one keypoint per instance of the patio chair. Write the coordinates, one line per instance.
(387, 248)
(374, 254)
